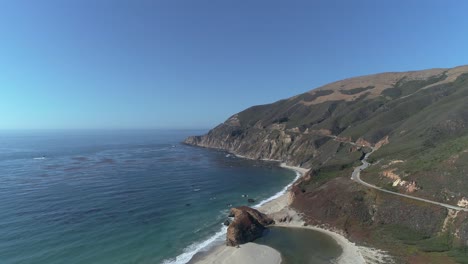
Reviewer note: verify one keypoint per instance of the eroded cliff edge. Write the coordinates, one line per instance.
(419, 119)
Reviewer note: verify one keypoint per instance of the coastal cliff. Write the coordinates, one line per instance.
(417, 121)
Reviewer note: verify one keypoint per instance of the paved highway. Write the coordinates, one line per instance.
(355, 176)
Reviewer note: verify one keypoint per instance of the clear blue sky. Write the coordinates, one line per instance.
(191, 64)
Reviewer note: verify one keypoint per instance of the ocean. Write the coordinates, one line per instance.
(120, 196)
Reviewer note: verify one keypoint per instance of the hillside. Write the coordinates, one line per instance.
(418, 121)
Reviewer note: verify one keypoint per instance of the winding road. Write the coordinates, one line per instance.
(356, 176)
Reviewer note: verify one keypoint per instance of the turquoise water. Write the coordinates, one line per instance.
(119, 197)
(301, 246)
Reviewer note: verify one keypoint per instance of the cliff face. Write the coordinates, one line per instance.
(260, 143)
(417, 120)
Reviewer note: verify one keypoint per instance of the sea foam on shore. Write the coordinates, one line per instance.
(218, 238)
(280, 193)
(194, 248)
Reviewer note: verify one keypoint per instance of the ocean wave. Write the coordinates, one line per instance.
(278, 194)
(196, 247)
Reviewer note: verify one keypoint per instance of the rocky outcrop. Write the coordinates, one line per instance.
(248, 225)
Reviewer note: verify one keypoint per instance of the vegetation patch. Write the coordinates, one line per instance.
(404, 87)
(356, 90)
(309, 97)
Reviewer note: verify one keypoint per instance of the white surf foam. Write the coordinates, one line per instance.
(278, 194)
(194, 248)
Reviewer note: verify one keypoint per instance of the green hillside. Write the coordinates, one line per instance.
(419, 123)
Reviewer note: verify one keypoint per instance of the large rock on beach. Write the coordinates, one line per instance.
(248, 225)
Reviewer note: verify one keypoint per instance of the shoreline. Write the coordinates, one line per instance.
(278, 208)
(211, 245)
(251, 252)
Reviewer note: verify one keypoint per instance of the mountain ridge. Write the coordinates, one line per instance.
(419, 119)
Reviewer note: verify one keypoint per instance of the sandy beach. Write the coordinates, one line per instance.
(279, 208)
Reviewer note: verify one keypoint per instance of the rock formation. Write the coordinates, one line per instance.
(248, 225)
